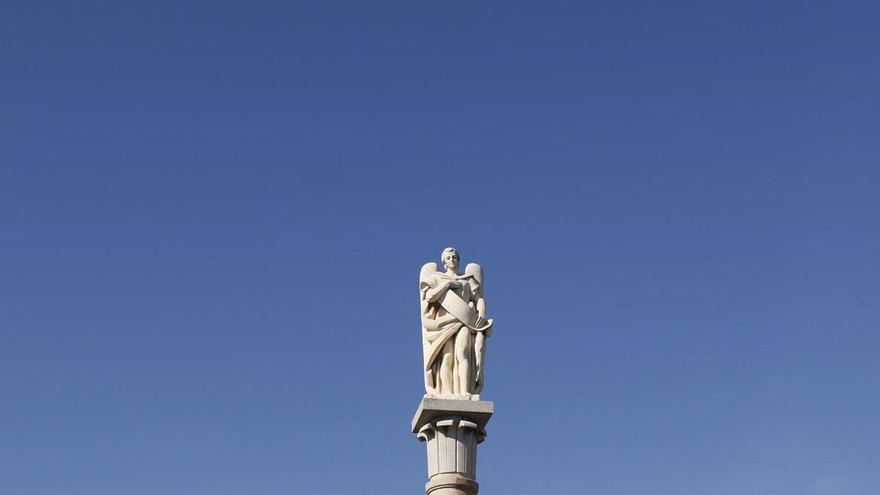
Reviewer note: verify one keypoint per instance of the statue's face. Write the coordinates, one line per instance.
(450, 260)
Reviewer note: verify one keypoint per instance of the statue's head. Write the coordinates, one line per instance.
(449, 257)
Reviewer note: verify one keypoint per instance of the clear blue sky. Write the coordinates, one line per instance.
(212, 218)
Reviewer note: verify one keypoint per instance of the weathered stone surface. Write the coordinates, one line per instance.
(451, 430)
(454, 327)
(451, 419)
(451, 484)
(432, 408)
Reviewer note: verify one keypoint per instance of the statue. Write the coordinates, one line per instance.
(454, 328)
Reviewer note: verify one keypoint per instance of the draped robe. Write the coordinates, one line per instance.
(440, 326)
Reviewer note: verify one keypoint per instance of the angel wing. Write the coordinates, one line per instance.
(428, 269)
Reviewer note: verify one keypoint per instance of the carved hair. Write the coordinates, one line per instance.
(443, 254)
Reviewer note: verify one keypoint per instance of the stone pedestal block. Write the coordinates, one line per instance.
(451, 430)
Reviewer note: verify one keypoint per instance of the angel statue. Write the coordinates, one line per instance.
(454, 327)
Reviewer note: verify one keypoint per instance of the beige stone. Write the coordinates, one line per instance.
(432, 408)
(451, 430)
(454, 328)
(451, 484)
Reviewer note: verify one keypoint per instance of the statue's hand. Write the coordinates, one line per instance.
(452, 284)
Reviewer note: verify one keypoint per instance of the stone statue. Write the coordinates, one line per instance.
(454, 328)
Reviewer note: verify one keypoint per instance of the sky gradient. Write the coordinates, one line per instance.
(213, 215)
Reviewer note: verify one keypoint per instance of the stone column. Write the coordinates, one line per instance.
(451, 430)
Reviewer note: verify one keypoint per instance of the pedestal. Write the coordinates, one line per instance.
(451, 430)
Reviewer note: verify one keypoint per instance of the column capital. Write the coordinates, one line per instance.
(433, 408)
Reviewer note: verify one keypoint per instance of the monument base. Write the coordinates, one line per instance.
(451, 484)
(451, 430)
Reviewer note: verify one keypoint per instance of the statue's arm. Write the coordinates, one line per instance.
(432, 294)
(428, 288)
(475, 278)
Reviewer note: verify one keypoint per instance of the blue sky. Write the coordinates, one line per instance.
(213, 217)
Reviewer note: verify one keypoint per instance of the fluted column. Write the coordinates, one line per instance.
(451, 430)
